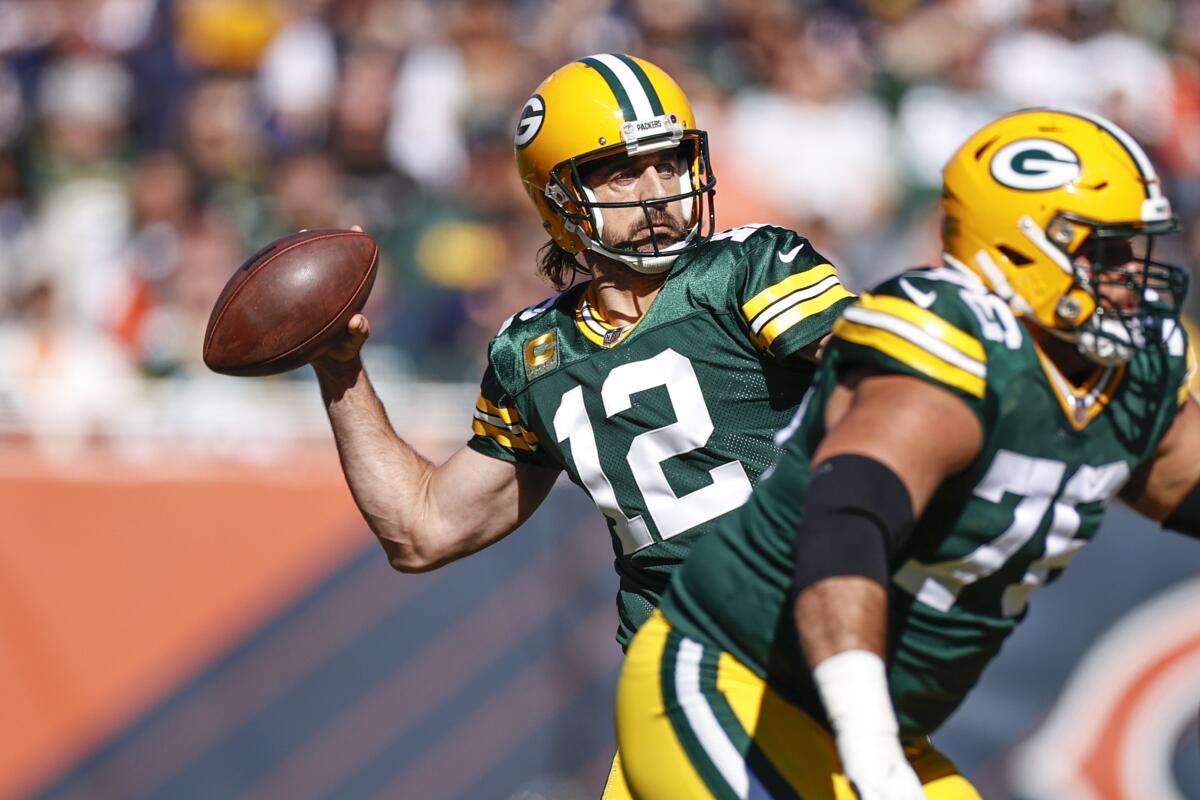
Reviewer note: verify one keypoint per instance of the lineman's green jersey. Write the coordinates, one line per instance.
(669, 422)
(1052, 457)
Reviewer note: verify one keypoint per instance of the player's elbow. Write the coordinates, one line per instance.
(409, 559)
(410, 555)
(410, 565)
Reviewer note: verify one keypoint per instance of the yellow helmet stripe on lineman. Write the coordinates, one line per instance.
(629, 84)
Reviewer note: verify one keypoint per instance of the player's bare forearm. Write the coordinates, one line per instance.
(386, 476)
(1173, 472)
(841, 613)
(423, 515)
(908, 435)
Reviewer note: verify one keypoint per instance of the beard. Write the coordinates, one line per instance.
(637, 236)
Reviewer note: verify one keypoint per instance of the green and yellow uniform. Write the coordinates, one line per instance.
(669, 422)
(1053, 456)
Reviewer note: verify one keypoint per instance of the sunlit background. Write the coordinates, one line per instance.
(189, 603)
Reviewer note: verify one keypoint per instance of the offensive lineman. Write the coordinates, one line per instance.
(657, 385)
(966, 431)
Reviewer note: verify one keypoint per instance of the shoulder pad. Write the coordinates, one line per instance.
(529, 312)
(926, 327)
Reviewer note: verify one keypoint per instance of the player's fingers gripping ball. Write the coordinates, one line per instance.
(346, 347)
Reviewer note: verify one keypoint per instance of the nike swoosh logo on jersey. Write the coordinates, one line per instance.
(923, 299)
(790, 255)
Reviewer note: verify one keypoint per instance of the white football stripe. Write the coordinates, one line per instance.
(589, 319)
(783, 304)
(515, 429)
(631, 84)
(906, 330)
(1135, 149)
(708, 730)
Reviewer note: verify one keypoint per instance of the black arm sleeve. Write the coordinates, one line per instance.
(1185, 517)
(857, 514)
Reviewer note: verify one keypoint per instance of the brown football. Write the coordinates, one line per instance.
(289, 300)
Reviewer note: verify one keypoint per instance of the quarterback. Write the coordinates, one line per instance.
(657, 385)
(966, 430)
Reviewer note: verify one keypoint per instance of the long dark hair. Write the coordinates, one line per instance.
(559, 266)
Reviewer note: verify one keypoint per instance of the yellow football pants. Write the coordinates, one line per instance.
(694, 722)
(616, 788)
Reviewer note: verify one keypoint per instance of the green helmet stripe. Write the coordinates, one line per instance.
(644, 80)
(614, 84)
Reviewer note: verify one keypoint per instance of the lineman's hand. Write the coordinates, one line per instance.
(876, 765)
(853, 687)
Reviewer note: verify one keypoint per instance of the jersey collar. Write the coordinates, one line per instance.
(1082, 404)
(595, 328)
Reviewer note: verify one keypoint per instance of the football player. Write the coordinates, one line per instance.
(968, 426)
(656, 385)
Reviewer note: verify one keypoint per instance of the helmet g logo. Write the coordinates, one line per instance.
(530, 123)
(1035, 165)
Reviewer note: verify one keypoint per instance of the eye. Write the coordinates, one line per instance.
(623, 177)
(667, 169)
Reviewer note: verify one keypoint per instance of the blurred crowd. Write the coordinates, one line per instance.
(148, 146)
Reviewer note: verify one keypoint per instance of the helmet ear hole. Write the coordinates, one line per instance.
(1016, 258)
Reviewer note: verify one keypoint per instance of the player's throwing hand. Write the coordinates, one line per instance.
(347, 346)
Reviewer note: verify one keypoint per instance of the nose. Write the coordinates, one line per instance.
(652, 186)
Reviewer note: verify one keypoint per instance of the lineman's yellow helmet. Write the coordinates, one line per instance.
(604, 105)
(1048, 205)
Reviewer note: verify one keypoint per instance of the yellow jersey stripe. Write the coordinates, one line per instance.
(917, 337)
(792, 283)
(926, 320)
(502, 435)
(1083, 404)
(588, 302)
(596, 329)
(509, 415)
(588, 334)
(800, 311)
(911, 355)
(514, 429)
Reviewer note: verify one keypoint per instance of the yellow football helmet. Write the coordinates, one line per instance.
(597, 107)
(1047, 207)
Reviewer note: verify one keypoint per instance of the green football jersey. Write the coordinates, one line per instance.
(669, 422)
(1053, 456)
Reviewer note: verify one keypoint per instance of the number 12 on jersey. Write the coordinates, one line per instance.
(669, 513)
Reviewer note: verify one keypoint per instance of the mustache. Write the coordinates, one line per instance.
(640, 231)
